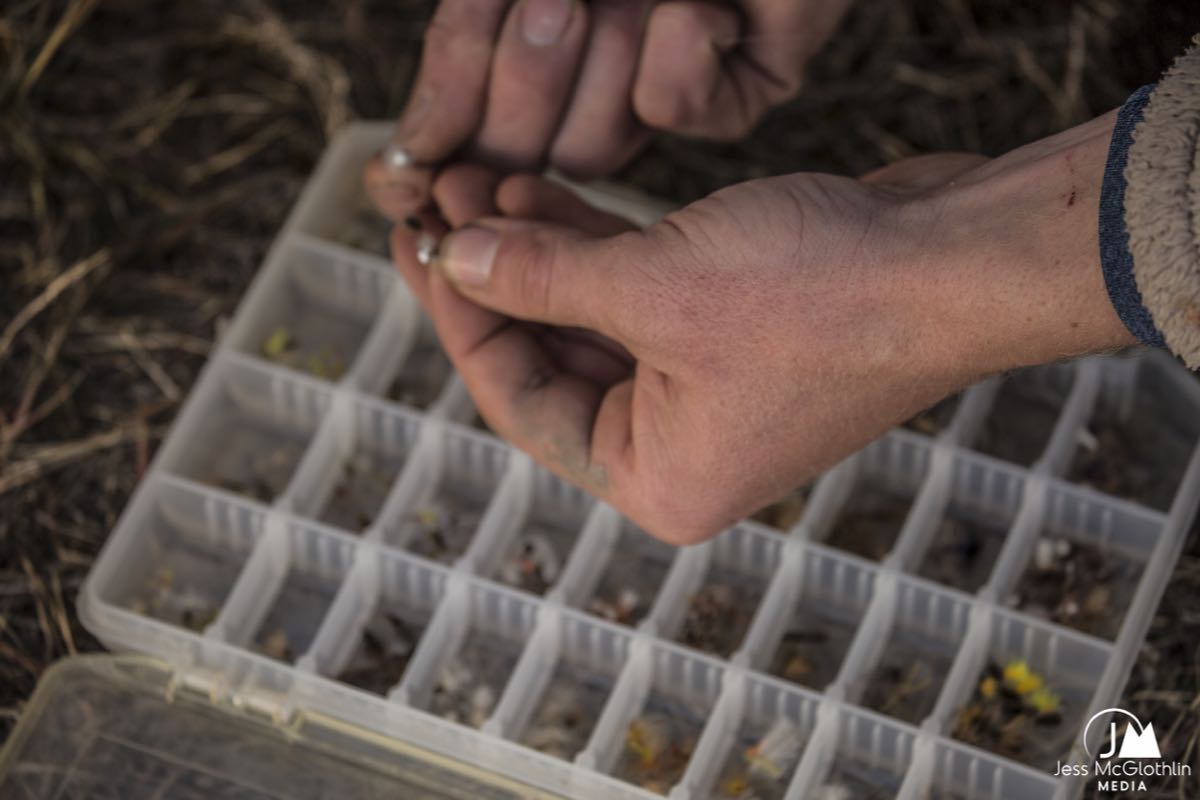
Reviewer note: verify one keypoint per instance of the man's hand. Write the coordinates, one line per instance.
(521, 85)
(693, 372)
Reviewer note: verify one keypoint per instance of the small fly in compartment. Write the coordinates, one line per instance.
(1139, 439)
(728, 581)
(964, 548)
(905, 674)
(250, 433)
(1024, 412)
(530, 555)
(395, 617)
(784, 514)
(719, 612)
(626, 574)
(423, 372)
(306, 566)
(821, 604)
(769, 736)
(357, 462)
(185, 550)
(468, 684)
(1031, 688)
(465, 661)
(664, 725)
(443, 512)
(859, 758)
(315, 315)
(869, 523)
(567, 674)
(567, 713)
(1086, 563)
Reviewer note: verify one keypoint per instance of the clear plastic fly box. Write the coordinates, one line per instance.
(338, 583)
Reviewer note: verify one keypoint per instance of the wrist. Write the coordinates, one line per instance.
(1015, 258)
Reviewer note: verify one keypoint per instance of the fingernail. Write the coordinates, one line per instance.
(466, 256)
(414, 115)
(543, 22)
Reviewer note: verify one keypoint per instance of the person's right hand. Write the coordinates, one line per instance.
(695, 371)
(523, 85)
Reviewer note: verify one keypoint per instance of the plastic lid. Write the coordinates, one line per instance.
(115, 726)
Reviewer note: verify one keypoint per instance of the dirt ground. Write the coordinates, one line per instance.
(149, 150)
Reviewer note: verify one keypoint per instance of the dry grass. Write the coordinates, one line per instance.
(150, 149)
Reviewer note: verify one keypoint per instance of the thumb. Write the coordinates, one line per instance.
(540, 273)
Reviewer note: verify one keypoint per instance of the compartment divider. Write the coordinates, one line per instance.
(423, 467)
(976, 405)
(530, 676)
(1074, 415)
(916, 781)
(454, 403)
(871, 636)
(388, 343)
(507, 510)
(256, 587)
(445, 633)
(592, 552)
(773, 612)
(314, 477)
(670, 607)
(829, 495)
(1025, 527)
(719, 734)
(628, 695)
(818, 756)
(967, 664)
(356, 599)
(927, 509)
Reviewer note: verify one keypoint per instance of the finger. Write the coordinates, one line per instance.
(598, 341)
(444, 107)
(545, 274)
(600, 132)
(708, 71)
(465, 193)
(518, 389)
(536, 60)
(404, 247)
(583, 358)
(396, 193)
(447, 101)
(681, 83)
(533, 197)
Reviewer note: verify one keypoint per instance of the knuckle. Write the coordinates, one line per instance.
(682, 527)
(661, 106)
(680, 507)
(461, 27)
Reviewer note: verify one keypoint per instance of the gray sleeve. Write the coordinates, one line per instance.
(1162, 206)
